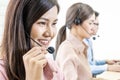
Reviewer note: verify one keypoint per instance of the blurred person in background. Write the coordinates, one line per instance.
(71, 51)
(99, 66)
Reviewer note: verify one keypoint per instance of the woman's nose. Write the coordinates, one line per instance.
(48, 32)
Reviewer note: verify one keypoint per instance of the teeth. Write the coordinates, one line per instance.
(44, 42)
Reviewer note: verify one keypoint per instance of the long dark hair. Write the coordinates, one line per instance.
(20, 16)
(77, 10)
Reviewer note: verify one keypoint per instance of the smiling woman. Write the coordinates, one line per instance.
(44, 29)
(28, 21)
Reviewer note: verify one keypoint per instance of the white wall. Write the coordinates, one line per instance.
(3, 4)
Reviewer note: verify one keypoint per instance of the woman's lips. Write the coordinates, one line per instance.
(43, 41)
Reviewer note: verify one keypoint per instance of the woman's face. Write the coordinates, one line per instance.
(44, 29)
(96, 23)
(88, 27)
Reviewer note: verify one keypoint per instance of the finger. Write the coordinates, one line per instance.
(39, 57)
(38, 66)
(31, 53)
(42, 63)
(35, 51)
(32, 50)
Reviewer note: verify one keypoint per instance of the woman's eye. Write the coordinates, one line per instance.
(54, 23)
(90, 23)
(96, 24)
(42, 23)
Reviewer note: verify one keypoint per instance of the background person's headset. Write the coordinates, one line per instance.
(77, 19)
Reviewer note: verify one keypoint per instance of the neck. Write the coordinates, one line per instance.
(76, 34)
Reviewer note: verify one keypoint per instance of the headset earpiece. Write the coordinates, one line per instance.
(77, 20)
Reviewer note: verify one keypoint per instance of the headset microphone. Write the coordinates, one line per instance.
(85, 30)
(94, 38)
(50, 49)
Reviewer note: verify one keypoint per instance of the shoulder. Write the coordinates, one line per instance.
(2, 71)
(66, 49)
(66, 45)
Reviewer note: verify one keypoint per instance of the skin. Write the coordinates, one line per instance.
(43, 31)
(96, 24)
(85, 30)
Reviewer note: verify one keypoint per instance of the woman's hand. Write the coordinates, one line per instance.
(34, 62)
(114, 67)
(111, 62)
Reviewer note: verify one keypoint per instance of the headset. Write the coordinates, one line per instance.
(49, 49)
(77, 20)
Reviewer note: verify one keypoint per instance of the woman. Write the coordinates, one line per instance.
(72, 52)
(29, 23)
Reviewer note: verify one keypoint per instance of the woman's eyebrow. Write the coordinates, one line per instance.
(48, 19)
